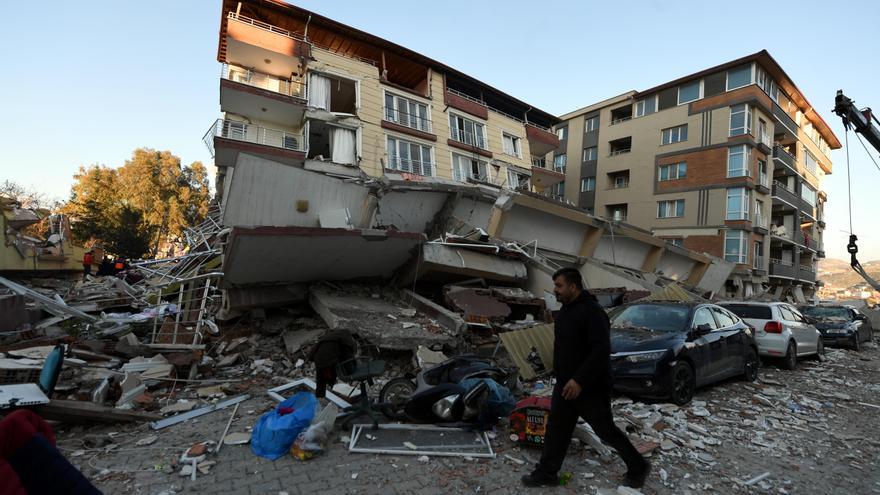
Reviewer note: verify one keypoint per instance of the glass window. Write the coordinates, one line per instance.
(588, 184)
(737, 161)
(562, 133)
(467, 131)
(559, 162)
(651, 317)
(511, 144)
(737, 204)
(808, 194)
(670, 209)
(591, 153)
(516, 180)
(736, 246)
(674, 134)
(689, 92)
(827, 312)
(465, 167)
(724, 318)
(751, 311)
(409, 157)
(704, 317)
(406, 112)
(739, 77)
(591, 124)
(558, 190)
(673, 171)
(786, 313)
(740, 120)
(810, 161)
(646, 106)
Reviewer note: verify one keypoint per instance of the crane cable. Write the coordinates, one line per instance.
(852, 248)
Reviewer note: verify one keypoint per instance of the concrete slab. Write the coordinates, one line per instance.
(443, 259)
(267, 255)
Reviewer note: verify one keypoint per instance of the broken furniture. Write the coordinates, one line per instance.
(362, 371)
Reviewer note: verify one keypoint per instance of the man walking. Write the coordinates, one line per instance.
(88, 261)
(581, 361)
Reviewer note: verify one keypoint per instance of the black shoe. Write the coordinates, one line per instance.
(537, 479)
(636, 479)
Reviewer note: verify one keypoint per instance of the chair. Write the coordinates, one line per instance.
(362, 371)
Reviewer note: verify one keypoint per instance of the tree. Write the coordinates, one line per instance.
(28, 197)
(150, 197)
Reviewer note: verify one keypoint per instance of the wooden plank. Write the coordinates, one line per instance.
(72, 411)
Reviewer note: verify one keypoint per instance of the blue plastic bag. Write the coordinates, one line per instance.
(275, 431)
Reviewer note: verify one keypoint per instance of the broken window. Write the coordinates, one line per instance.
(511, 144)
(333, 94)
(329, 142)
(410, 157)
(516, 180)
(465, 167)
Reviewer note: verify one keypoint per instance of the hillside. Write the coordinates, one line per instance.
(838, 273)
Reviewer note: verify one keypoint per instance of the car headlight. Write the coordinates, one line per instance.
(645, 356)
(443, 407)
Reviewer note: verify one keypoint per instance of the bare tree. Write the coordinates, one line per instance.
(28, 197)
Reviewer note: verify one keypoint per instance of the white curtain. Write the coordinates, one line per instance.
(319, 91)
(342, 145)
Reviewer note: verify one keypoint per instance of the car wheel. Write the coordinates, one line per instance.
(394, 395)
(789, 362)
(683, 383)
(750, 369)
(820, 350)
(857, 342)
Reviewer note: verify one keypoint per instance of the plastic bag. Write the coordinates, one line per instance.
(277, 429)
(313, 440)
(500, 402)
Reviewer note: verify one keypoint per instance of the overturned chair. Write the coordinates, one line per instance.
(362, 371)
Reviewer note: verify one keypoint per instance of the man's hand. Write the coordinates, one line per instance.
(571, 390)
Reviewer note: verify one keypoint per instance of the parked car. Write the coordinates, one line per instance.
(665, 350)
(781, 331)
(840, 325)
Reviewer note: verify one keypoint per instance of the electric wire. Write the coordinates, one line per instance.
(868, 151)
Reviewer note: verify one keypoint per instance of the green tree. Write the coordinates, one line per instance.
(150, 195)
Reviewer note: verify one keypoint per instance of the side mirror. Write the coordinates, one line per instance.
(703, 329)
(860, 316)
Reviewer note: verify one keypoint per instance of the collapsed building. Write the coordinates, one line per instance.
(24, 252)
(342, 156)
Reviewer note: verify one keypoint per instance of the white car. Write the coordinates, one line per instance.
(781, 331)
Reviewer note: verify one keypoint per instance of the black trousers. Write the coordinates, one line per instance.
(595, 408)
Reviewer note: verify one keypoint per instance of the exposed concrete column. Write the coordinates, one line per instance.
(368, 211)
(592, 236)
(653, 257)
(697, 273)
(498, 216)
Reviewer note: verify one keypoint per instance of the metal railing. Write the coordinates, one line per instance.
(620, 185)
(758, 262)
(260, 80)
(471, 138)
(620, 119)
(760, 221)
(479, 101)
(407, 119)
(419, 167)
(764, 180)
(764, 139)
(777, 261)
(784, 156)
(620, 152)
(250, 133)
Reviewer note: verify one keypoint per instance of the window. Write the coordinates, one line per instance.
(724, 318)
(588, 184)
(737, 161)
(617, 212)
(808, 194)
(810, 161)
(689, 92)
(619, 180)
(558, 190)
(736, 244)
(763, 136)
(410, 157)
(758, 256)
(559, 162)
(739, 77)
(406, 112)
(591, 153)
(675, 134)
(759, 212)
(467, 131)
(516, 180)
(737, 203)
(562, 133)
(786, 313)
(465, 167)
(740, 120)
(674, 171)
(703, 316)
(646, 106)
(511, 145)
(539, 161)
(676, 241)
(591, 124)
(670, 209)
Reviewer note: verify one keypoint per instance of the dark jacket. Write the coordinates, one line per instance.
(582, 345)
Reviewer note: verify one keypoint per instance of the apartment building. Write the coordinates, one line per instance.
(308, 91)
(728, 161)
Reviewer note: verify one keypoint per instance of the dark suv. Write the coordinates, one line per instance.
(840, 325)
(665, 350)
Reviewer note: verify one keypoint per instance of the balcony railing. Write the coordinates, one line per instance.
(473, 139)
(620, 152)
(784, 156)
(764, 180)
(620, 119)
(296, 89)
(250, 133)
(758, 262)
(760, 221)
(419, 167)
(765, 139)
(407, 119)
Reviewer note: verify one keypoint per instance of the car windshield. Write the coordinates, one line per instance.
(826, 312)
(750, 311)
(651, 317)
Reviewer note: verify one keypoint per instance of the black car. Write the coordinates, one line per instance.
(840, 325)
(665, 350)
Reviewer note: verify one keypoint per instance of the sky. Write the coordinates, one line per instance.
(87, 83)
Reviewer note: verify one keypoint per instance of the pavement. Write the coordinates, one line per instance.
(812, 430)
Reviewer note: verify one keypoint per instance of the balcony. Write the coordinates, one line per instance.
(760, 224)
(784, 157)
(763, 183)
(226, 138)
(785, 198)
(262, 96)
(807, 274)
(541, 140)
(621, 114)
(620, 146)
(765, 143)
(782, 268)
(786, 128)
(263, 47)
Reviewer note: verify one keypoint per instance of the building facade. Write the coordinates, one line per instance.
(728, 161)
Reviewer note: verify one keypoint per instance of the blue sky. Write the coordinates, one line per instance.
(89, 82)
